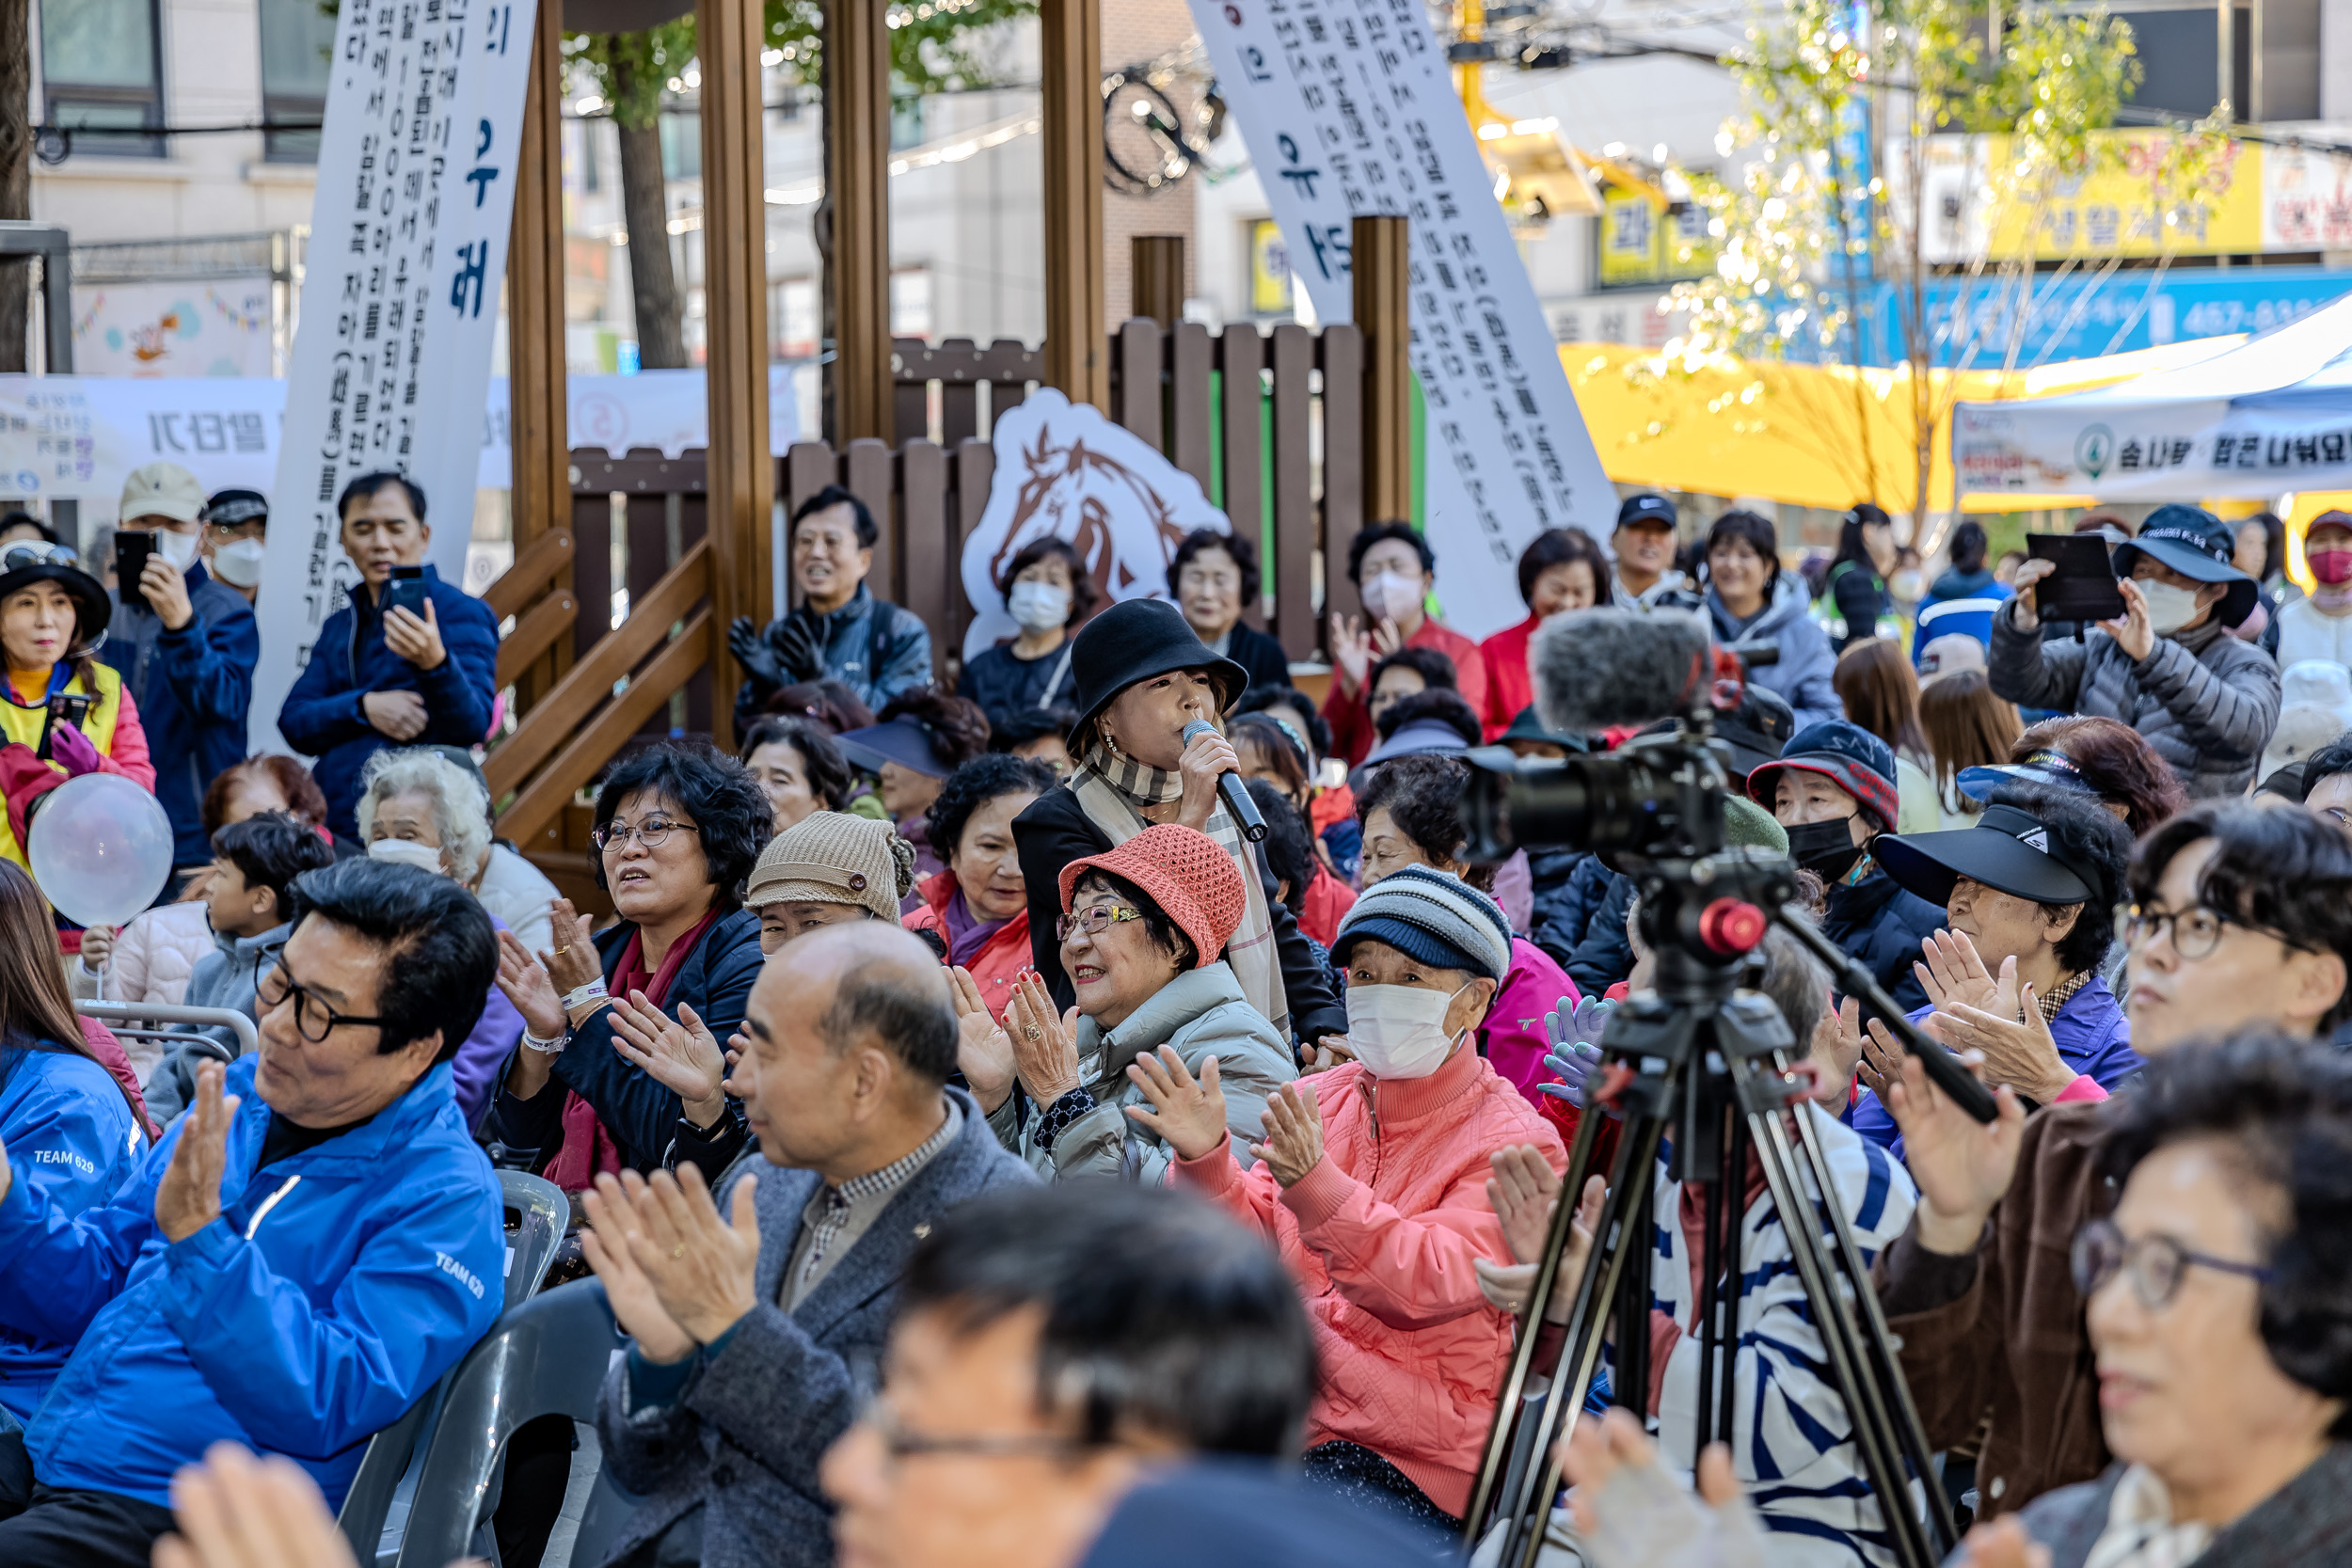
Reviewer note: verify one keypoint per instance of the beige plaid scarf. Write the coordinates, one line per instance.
(1113, 788)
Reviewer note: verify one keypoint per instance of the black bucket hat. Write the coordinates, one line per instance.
(30, 560)
(2199, 545)
(1133, 640)
(2009, 848)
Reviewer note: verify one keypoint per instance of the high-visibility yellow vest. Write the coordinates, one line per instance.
(29, 724)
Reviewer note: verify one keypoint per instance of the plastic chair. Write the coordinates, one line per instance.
(546, 1358)
(164, 1020)
(381, 1494)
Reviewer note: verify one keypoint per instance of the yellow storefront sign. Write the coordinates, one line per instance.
(2119, 209)
(1269, 269)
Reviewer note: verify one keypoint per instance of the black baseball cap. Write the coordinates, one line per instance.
(1646, 510)
(2199, 545)
(2009, 848)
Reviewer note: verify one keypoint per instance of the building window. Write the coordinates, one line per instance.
(101, 75)
(297, 49)
(911, 303)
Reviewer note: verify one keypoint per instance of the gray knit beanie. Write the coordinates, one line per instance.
(1431, 916)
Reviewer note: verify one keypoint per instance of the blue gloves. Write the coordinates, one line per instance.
(1575, 1052)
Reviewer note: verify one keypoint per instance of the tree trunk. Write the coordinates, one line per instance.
(644, 207)
(16, 172)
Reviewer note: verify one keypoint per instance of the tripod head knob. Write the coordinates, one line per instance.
(1730, 927)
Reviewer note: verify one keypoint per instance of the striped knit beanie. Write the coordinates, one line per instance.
(831, 857)
(1435, 918)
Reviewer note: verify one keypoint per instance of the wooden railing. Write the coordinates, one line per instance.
(1270, 425)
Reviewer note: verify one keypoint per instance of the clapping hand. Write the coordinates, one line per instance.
(573, 961)
(1836, 1045)
(1188, 1115)
(1631, 1513)
(1523, 1190)
(1293, 1145)
(188, 1197)
(1044, 1043)
(680, 1054)
(1961, 1165)
(635, 1304)
(236, 1511)
(1951, 971)
(701, 1268)
(1351, 652)
(983, 1050)
(2010, 1033)
(524, 982)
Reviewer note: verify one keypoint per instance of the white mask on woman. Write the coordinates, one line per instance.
(1391, 595)
(1039, 606)
(2170, 607)
(1399, 1031)
(408, 851)
(238, 563)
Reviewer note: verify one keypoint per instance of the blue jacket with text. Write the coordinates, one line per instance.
(334, 1289)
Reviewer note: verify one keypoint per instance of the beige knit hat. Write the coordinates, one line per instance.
(832, 857)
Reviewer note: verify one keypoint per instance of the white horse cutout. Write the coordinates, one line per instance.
(1066, 472)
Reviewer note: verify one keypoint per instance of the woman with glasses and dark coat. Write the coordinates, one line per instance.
(1142, 676)
(678, 829)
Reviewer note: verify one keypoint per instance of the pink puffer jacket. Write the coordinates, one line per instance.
(1381, 1235)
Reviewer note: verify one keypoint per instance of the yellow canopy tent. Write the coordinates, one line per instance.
(1822, 435)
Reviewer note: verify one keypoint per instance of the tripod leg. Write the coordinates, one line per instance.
(1710, 1294)
(1728, 1332)
(1834, 1320)
(1910, 1433)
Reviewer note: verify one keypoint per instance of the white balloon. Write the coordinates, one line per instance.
(100, 848)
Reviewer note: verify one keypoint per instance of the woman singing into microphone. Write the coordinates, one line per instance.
(1141, 676)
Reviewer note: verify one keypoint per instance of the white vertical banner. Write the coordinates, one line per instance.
(392, 360)
(1348, 109)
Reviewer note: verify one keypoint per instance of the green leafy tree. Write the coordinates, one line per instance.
(934, 47)
(1888, 144)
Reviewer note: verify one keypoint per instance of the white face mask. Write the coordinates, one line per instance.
(1039, 606)
(1399, 1031)
(408, 851)
(1391, 594)
(1906, 585)
(178, 548)
(2170, 608)
(239, 564)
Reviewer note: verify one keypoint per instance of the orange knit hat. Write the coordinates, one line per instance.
(1183, 871)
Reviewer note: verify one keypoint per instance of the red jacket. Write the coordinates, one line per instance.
(1509, 687)
(1001, 957)
(1381, 1235)
(1352, 735)
(1325, 904)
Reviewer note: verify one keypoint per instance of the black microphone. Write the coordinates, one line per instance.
(1229, 789)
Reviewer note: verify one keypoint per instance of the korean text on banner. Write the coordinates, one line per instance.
(1347, 109)
(415, 184)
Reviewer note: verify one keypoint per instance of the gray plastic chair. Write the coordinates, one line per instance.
(546, 1358)
(380, 1494)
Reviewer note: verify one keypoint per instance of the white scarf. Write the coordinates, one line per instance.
(1113, 788)
(2140, 1531)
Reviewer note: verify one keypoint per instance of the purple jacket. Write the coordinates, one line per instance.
(1515, 1036)
(2094, 1038)
(483, 1056)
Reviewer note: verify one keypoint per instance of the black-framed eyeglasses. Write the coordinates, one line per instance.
(652, 833)
(313, 1018)
(37, 552)
(2156, 1264)
(1094, 922)
(2195, 931)
(900, 1443)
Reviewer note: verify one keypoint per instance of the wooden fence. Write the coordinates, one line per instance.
(1286, 464)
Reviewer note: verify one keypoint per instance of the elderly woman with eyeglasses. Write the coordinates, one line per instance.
(2239, 917)
(1142, 931)
(678, 829)
(2219, 1308)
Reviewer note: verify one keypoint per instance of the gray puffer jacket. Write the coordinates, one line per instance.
(2206, 701)
(227, 977)
(1202, 1013)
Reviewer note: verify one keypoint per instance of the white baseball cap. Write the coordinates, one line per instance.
(162, 490)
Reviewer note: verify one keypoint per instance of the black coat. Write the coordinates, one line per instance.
(643, 1116)
(1880, 924)
(1055, 831)
(1002, 684)
(1261, 654)
(1605, 956)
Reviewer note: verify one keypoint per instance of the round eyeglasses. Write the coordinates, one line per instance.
(652, 833)
(2195, 931)
(2154, 1264)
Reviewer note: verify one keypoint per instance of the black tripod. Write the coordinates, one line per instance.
(1713, 1065)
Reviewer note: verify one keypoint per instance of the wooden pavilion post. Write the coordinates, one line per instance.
(741, 474)
(1379, 259)
(1077, 352)
(537, 412)
(857, 196)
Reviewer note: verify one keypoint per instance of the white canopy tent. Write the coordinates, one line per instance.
(2271, 416)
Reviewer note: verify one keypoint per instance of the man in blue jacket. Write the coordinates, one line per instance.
(383, 677)
(313, 1245)
(184, 646)
(841, 631)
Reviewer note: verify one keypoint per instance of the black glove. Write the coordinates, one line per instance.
(796, 650)
(756, 657)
